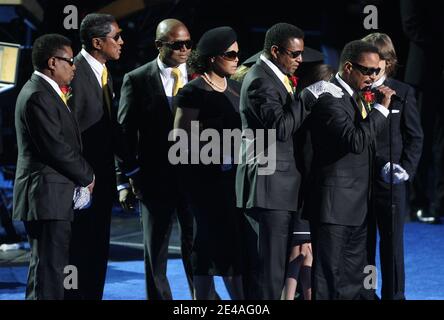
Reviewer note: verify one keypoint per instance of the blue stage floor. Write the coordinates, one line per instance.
(424, 259)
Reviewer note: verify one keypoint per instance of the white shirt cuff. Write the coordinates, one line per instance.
(123, 186)
(385, 112)
(129, 174)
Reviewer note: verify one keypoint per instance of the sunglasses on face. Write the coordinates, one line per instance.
(68, 60)
(366, 71)
(177, 45)
(292, 54)
(230, 55)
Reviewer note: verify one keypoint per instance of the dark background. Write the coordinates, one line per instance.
(331, 23)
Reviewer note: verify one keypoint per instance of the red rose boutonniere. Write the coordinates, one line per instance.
(369, 98)
(293, 81)
(66, 91)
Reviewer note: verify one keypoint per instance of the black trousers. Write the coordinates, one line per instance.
(266, 251)
(339, 257)
(89, 249)
(157, 222)
(380, 220)
(428, 185)
(49, 241)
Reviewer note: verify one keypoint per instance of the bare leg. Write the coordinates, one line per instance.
(305, 274)
(294, 266)
(234, 287)
(204, 288)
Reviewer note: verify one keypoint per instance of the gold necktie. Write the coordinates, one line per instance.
(361, 105)
(65, 100)
(178, 83)
(288, 85)
(105, 89)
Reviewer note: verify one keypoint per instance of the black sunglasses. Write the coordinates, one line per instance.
(177, 45)
(69, 60)
(366, 71)
(230, 55)
(292, 54)
(115, 37)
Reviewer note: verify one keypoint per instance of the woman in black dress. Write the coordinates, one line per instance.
(213, 101)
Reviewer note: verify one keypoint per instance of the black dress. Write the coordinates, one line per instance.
(210, 188)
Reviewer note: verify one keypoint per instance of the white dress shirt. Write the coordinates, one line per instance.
(52, 83)
(168, 79)
(95, 65)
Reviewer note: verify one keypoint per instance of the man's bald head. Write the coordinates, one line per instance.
(168, 26)
(173, 42)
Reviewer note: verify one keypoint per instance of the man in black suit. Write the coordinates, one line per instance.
(406, 147)
(422, 25)
(102, 140)
(269, 197)
(343, 132)
(146, 116)
(49, 166)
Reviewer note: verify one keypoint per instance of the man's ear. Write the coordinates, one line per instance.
(158, 44)
(51, 63)
(274, 51)
(97, 43)
(347, 67)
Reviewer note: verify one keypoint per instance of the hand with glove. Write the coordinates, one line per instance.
(323, 86)
(399, 173)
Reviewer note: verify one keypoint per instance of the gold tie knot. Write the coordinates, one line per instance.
(177, 75)
(361, 104)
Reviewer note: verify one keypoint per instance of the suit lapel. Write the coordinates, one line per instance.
(274, 77)
(90, 76)
(60, 104)
(153, 77)
(349, 100)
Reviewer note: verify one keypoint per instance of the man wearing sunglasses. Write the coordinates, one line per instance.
(49, 166)
(343, 132)
(92, 103)
(146, 114)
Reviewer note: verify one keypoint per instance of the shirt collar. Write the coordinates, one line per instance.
(379, 82)
(273, 67)
(344, 85)
(53, 84)
(93, 62)
(166, 70)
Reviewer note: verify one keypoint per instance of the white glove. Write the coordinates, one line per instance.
(81, 198)
(323, 86)
(399, 173)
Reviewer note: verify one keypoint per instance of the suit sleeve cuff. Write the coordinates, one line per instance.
(385, 112)
(123, 186)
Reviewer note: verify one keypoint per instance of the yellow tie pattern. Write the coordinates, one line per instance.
(361, 105)
(178, 83)
(288, 85)
(105, 89)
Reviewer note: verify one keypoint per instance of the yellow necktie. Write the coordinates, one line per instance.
(65, 100)
(288, 85)
(105, 89)
(178, 83)
(362, 106)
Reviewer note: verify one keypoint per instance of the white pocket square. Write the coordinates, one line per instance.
(395, 111)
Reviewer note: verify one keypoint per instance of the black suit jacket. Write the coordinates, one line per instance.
(49, 162)
(101, 134)
(421, 21)
(266, 104)
(343, 156)
(407, 134)
(147, 120)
